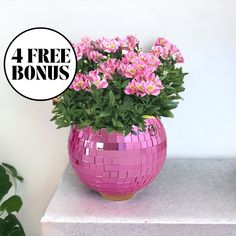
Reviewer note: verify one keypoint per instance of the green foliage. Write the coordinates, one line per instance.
(112, 109)
(13, 171)
(9, 224)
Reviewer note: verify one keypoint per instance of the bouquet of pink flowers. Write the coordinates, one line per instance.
(117, 84)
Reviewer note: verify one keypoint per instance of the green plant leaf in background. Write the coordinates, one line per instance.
(9, 224)
(5, 183)
(12, 204)
(12, 226)
(13, 171)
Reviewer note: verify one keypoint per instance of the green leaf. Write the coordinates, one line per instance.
(12, 226)
(167, 113)
(53, 118)
(112, 98)
(140, 110)
(126, 131)
(116, 83)
(170, 88)
(152, 110)
(117, 96)
(88, 111)
(13, 171)
(85, 124)
(110, 129)
(2, 226)
(20, 178)
(142, 126)
(5, 183)
(2, 170)
(175, 97)
(12, 204)
(104, 113)
(17, 232)
(113, 121)
(125, 83)
(119, 124)
(180, 89)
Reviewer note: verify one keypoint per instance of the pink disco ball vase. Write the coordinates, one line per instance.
(115, 165)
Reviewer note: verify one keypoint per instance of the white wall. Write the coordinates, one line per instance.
(204, 126)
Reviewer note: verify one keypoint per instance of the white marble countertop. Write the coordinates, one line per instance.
(189, 197)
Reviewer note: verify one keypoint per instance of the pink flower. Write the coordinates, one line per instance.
(153, 61)
(94, 55)
(112, 46)
(130, 42)
(92, 75)
(176, 54)
(157, 50)
(152, 88)
(142, 87)
(95, 79)
(130, 71)
(162, 42)
(80, 83)
(100, 84)
(150, 76)
(107, 45)
(108, 68)
(131, 88)
(173, 49)
(169, 49)
(179, 58)
(160, 51)
(111, 65)
(129, 57)
(137, 65)
(82, 47)
(78, 51)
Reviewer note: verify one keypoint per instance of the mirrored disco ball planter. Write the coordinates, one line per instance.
(115, 165)
(117, 143)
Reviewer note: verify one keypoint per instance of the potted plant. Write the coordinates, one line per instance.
(117, 143)
(9, 224)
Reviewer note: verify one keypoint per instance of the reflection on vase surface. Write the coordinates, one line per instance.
(116, 164)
